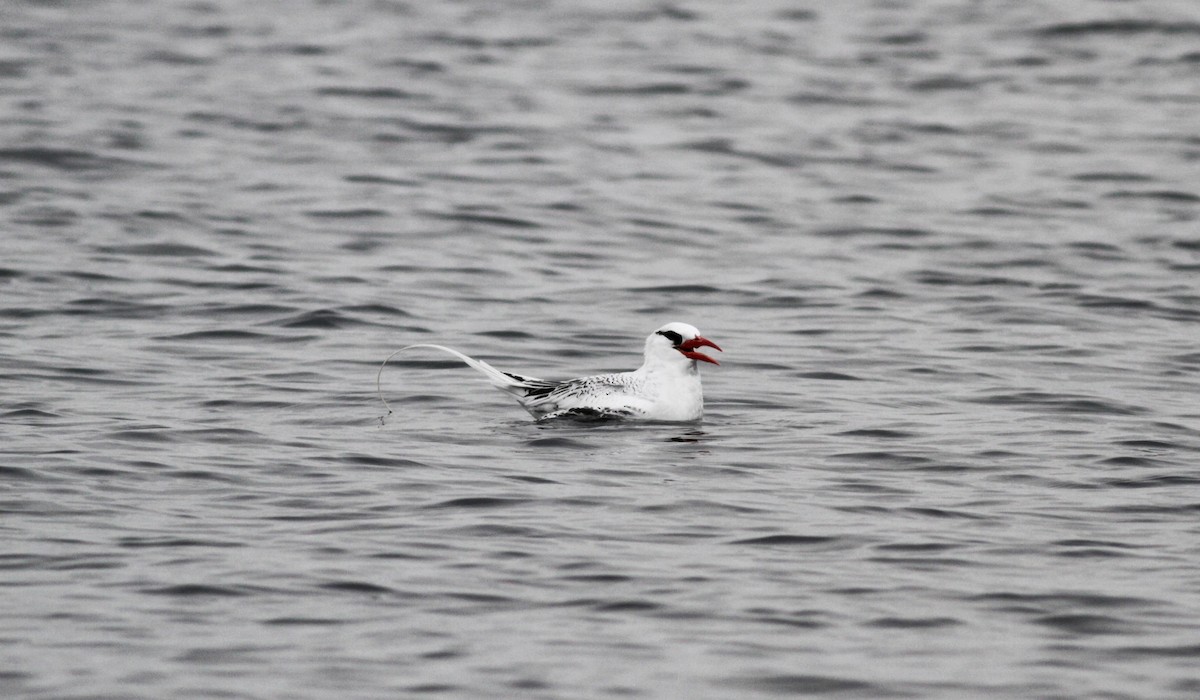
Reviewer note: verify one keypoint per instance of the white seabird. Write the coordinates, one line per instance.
(665, 388)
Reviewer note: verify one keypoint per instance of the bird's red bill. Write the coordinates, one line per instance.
(688, 348)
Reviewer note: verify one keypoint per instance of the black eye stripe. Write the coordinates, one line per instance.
(672, 336)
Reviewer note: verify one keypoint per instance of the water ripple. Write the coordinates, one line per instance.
(951, 443)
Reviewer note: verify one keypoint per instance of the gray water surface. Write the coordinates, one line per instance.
(951, 251)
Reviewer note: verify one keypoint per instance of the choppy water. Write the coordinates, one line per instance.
(951, 251)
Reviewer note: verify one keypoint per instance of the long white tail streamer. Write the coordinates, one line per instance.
(379, 382)
(495, 376)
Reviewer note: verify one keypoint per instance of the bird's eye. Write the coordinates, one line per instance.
(672, 336)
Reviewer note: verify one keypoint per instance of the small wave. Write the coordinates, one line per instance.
(1098, 301)
(113, 308)
(13, 68)
(25, 414)
(479, 502)
(46, 215)
(806, 685)
(361, 213)
(172, 542)
(1118, 26)
(246, 123)
(1112, 176)
(558, 443)
(878, 433)
(1060, 403)
(356, 587)
(678, 289)
(452, 134)
(1171, 651)
(1085, 624)
(246, 404)
(157, 435)
(249, 309)
(508, 334)
(943, 513)
(725, 147)
(597, 578)
(318, 318)
(996, 211)
(160, 250)
(837, 99)
(943, 83)
(642, 90)
(1153, 482)
(371, 460)
(913, 623)
(8, 473)
(223, 436)
(490, 220)
(829, 376)
(382, 180)
(383, 309)
(1131, 461)
(626, 606)
(943, 278)
(375, 93)
(67, 159)
(498, 531)
(176, 58)
(290, 621)
(1163, 195)
(530, 479)
(220, 334)
(699, 506)
(804, 619)
(1150, 444)
(916, 546)
(214, 475)
(1155, 511)
(789, 540)
(1091, 549)
(1049, 603)
(200, 590)
(895, 458)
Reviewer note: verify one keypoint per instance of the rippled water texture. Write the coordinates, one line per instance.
(951, 251)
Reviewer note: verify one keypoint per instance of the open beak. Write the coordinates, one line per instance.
(688, 348)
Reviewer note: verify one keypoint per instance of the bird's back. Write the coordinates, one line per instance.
(623, 395)
(602, 396)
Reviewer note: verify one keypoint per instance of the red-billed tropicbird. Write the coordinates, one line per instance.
(665, 388)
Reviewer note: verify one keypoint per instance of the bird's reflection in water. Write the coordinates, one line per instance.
(689, 436)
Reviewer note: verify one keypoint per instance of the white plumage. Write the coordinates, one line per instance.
(665, 388)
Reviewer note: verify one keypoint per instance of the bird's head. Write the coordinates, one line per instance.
(678, 341)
